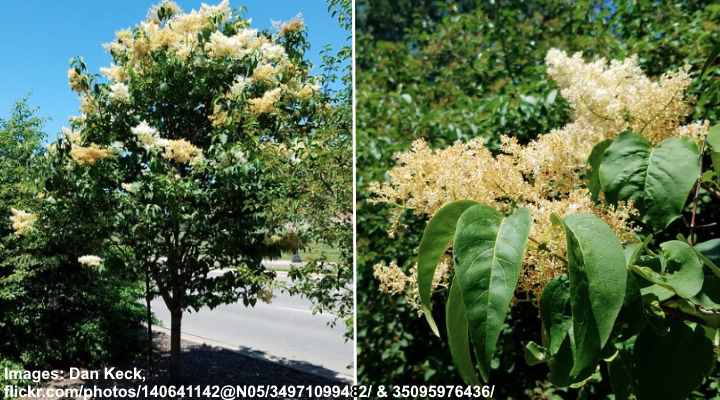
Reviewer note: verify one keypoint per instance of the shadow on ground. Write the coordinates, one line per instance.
(208, 366)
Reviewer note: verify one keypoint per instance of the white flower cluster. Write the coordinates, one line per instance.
(22, 221)
(168, 29)
(119, 92)
(179, 32)
(179, 150)
(610, 97)
(146, 135)
(236, 46)
(90, 261)
(130, 187)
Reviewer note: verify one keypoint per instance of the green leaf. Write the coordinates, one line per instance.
(435, 241)
(710, 249)
(657, 179)
(561, 364)
(633, 251)
(709, 296)
(594, 160)
(488, 250)
(671, 366)
(623, 168)
(683, 269)
(555, 313)
(458, 335)
(713, 140)
(534, 354)
(660, 292)
(598, 278)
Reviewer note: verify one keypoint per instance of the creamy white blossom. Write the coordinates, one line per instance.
(90, 261)
(239, 85)
(72, 136)
(239, 156)
(272, 51)
(119, 92)
(220, 46)
(146, 135)
(113, 73)
(130, 187)
(22, 221)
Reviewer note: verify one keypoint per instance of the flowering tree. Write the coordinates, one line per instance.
(196, 109)
(582, 220)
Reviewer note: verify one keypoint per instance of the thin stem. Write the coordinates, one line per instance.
(691, 238)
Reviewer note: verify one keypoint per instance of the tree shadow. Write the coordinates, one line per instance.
(205, 365)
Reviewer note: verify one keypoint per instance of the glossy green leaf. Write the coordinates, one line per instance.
(458, 335)
(670, 366)
(435, 241)
(596, 156)
(713, 141)
(488, 250)
(683, 269)
(555, 313)
(623, 168)
(597, 286)
(657, 179)
(684, 266)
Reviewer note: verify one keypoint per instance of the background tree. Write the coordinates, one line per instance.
(323, 181)
(54, 312)
(21, 136)
(476, 69)
(183, 138)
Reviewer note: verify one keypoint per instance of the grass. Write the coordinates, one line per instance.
(315, 251)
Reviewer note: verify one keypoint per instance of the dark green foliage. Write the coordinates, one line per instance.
(53, 312)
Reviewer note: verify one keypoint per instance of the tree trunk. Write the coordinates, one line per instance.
(148, 309)
(175, 325)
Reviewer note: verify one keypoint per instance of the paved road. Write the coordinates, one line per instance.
(284, 330)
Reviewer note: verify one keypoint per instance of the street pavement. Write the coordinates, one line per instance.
(284, 331)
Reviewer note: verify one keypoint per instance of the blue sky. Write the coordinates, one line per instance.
(40, 37)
